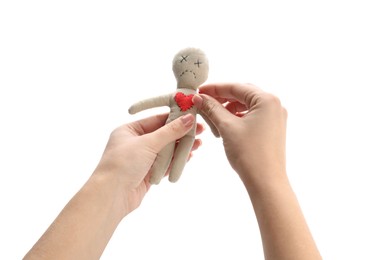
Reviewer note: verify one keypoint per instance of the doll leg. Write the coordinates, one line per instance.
(161, 163)
(180, 157)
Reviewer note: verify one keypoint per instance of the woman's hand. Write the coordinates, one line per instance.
(252, 124)
(132, 149)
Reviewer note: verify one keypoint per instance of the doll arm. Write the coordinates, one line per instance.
(150, 103)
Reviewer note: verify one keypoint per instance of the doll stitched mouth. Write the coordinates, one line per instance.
(184, 72)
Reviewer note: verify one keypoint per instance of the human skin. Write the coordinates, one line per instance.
(252, 124)
(116, 188)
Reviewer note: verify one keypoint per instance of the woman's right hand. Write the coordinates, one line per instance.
(252, 124)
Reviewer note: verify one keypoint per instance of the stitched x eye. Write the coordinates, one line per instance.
(184, 58)
(198, 63)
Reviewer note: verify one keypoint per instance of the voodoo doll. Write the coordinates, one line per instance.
(190, 67)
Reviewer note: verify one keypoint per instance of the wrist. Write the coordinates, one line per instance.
(110, 192)
(259, 180)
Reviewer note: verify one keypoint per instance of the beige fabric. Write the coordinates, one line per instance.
(190, 67)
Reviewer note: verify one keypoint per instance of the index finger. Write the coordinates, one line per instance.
(152, 123)
(246, 94)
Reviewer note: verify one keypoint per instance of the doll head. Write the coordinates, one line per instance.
(190, 67)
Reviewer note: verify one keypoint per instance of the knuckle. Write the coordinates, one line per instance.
(174, 127)
(253, 99)
(272, 100)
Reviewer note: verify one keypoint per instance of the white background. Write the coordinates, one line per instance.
(70, 69)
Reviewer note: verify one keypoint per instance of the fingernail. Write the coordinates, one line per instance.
(187, 120)
(197, 100)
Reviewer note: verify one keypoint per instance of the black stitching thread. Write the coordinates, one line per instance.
(184, 58)
(198, 63)
(188, 71)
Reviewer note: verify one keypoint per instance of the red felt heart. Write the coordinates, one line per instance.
(184, 101)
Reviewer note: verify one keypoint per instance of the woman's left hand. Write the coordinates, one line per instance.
(132, 149)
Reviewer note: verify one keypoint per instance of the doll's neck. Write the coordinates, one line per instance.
(186, 86)
(186, 90)
(183, 86)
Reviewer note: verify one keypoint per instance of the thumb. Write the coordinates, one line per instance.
(172, 131)
(212, 109)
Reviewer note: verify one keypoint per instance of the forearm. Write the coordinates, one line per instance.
(284, 232)
(84, 227)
